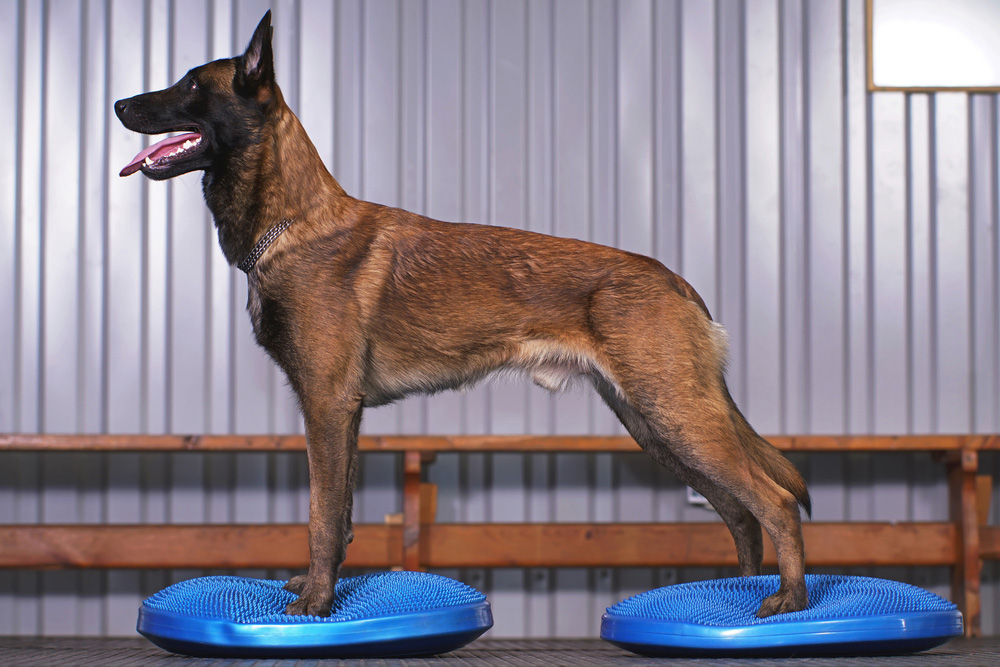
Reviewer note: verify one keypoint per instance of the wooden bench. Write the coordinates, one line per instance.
(413, 540)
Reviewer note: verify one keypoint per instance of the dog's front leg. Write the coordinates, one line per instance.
(332, 442)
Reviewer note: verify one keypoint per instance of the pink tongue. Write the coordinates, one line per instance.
(155, 149)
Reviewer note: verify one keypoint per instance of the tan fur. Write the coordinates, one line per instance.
(362, 304)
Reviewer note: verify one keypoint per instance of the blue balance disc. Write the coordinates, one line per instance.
(374, 615)
(846, 616)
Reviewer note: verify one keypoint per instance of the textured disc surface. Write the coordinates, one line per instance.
(374, 615)
(846, 615)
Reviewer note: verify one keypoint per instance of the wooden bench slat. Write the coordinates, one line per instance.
(152, 443)
(670, 545)
(223, 546)
(465, 443)
(461, 545)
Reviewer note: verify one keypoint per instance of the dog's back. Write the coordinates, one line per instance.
(361, 304)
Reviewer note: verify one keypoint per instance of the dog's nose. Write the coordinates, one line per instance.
(120, 107)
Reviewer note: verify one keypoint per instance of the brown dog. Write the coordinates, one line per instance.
(362, 304)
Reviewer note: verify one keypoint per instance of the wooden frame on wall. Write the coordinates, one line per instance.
(934, 83)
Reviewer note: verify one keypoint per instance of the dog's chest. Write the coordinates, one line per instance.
(267, 317)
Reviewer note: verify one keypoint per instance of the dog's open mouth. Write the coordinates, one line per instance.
(164, 153)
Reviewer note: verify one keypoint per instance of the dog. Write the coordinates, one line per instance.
(362, 304)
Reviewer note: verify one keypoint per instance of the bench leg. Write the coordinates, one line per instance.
(965, 583)
(419, 506)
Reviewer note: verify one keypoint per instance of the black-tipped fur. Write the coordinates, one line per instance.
(362, 304)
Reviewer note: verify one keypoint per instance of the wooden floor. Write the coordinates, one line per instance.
(71, 652)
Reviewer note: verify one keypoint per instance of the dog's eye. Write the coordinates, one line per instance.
(192, 85)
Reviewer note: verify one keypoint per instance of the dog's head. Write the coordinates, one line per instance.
(220, 108)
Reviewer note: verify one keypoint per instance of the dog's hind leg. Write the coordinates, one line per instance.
(742, 524)
(704, 451)
(332, 442)
(671, 395)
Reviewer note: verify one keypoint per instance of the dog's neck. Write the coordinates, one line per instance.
(281, 176)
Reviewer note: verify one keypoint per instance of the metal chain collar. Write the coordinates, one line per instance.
(265, 241)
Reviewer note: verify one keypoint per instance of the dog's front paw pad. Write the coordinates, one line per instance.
(297, 584)
(783, 602)
(308, 605)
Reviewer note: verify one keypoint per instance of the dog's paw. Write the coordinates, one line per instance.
(297, 584)
(310, 605)
(783, 602)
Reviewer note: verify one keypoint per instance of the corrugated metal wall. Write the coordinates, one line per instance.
(848, 241)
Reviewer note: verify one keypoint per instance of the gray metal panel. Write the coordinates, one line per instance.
(794, 227)
(698, 259)
(848, 241)
(857, 136)
(60, 217)
(952, 247)
(889, 278)
(921, 339)
(731, 246)
(10, 78)
(825, 312)
(125, 226)
(825, 251)
(763, 234)
(983, 276)
(28, 206)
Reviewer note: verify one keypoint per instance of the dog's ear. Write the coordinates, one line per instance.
(255, 68)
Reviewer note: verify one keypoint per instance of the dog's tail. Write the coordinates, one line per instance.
(767, 456)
